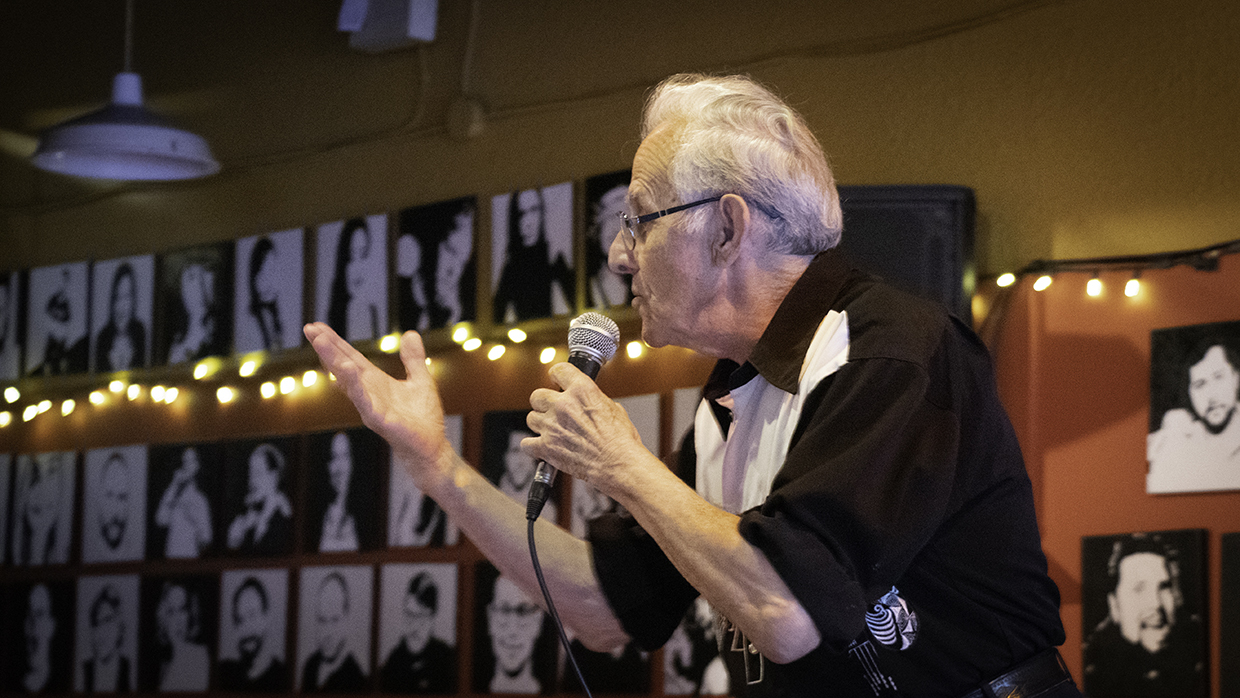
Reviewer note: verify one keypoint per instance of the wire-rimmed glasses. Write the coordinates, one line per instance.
(629, 223)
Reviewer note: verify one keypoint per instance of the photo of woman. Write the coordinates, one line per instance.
(352, 276)
(197, 287)
(268, 299)
(121, 300)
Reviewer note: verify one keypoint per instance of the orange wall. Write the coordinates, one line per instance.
(1074, 374)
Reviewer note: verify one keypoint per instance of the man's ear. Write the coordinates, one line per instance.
(733, 227)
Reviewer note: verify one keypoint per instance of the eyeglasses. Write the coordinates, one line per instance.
(629, 223)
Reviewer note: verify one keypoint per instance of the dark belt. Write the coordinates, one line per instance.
(1029, 678)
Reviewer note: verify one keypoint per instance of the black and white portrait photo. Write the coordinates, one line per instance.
(38, 632)
(691, 662)
(6, 482)
(506, 465)
(436, 271)
(183, 494)
(10, 325)
(43, 491)
(122, 294)
(1194, 439)
(56, 312)
(417, 628)
(269, 291)
(605, 201)
(196, 288)
(258, 504)
(253, 651)
(515, 643)
(178, 623)
(1142, 607)
(114, 504)
(415, 520)
(343, 470)
(532, 254)
(107, 634)
(334, 624)
(351, 280)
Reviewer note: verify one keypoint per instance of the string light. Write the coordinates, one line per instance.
(495, 352)
(6, 418)
(43, 406)
(225, 394)
(12, 394)
(158, 392)
(388, 344)
(460, 333)
(1133, 287)
(287, 385)
(1042, 283)
(310, 378)
(1005, 280)
(247, 369)
(634, 349)
(547, 355)
(96, 397)
(30, 412)
(1094, 286)
(133, 392)
(117, 386)
(170, 395)
(201, 371)
(517, 335)
(471, 344)
(67, 407)
(267, 390)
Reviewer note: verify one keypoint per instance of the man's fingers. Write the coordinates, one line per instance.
(336, 355)
(565, 374)
(412, 352)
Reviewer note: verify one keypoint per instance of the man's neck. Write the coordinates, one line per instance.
(751, 302)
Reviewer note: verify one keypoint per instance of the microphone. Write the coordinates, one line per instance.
(592, 341)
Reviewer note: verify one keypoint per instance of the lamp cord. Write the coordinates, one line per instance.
(559, 627)
(128, 36)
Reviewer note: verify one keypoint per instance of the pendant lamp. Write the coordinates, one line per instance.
(124, 140)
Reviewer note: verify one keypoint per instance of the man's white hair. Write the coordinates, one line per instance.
(733, 136)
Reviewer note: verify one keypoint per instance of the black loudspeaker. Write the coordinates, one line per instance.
(919, 237)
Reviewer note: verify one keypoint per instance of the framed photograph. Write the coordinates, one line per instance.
(258, 496)
(436, 269)
(1143, 608)
(691, 662)
(43, 494)
(114, 504)
(253, 650)
(415, 520)
(183, 494)
(334, 621)
(11, 327)
(344, 472)
(6, 481)
(605, 201)
(1194, 439)
(532, 274)
(515, 643)
(196, 288)
(56, 320)
(179, 616)
(1229, 645)
(504, 464)
(417, 628)
(122, 295)
(107, 634)
(38, 637)
(270, 290)
(351, 289)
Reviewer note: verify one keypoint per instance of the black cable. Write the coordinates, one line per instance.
(559, 627)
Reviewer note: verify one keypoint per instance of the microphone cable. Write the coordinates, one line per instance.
(555, 616)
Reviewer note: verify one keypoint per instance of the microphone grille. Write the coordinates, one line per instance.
(594, 333)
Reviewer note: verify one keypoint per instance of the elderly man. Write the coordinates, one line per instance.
(862, 522)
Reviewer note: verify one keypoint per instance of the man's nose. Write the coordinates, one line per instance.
(620, 259)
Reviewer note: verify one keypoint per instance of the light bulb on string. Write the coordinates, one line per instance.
(1042, 283)
(12, 395)
(1093, 287)
(1005, 280)
(1133, 287)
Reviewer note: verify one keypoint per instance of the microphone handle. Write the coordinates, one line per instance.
(544, 473)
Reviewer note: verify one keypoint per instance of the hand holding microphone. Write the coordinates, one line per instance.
(592, 341)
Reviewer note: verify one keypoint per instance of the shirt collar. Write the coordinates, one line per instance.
(780, 351)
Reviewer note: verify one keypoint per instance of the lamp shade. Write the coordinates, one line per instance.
(125, 141)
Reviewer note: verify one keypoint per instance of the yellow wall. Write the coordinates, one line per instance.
(1086, 127)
